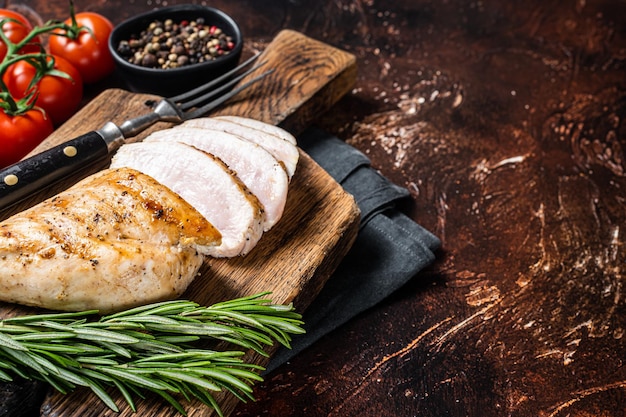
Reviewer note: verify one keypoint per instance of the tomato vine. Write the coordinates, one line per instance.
(39, 60)
(36, 79)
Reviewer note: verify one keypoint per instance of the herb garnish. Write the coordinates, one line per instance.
(160, 347)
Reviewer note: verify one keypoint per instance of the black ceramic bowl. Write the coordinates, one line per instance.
(171, 81)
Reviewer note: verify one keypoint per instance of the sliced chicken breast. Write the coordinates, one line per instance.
(262, 126)
(255, 166)
(115, 240)
(282, 150)
(205, 182)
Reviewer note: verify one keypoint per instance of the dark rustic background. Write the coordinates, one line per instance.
(505, 121)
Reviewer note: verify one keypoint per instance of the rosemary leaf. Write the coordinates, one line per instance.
(41, 336)
(68, 348)
(10, 343)
(161, 308)
(199, 329)
(157, 347)
(94, 360)
(189, 377)
(186, 390)
(280, 323)
(117, 349)
(60, 360)
(5, 377)
(184, 339)
(245, 374)
(104, 336)
(251, 299)
(229, 315)
(151, 319)
(134, 377)
(86, 348)
(58, 384)
(126, 394)
(190, 354)
(176, 404)
(58, 317)
(224, 376)
(255, 335)
(70, 376)
(103, 395)
(248, 344)
(205, 397)
(94, 374)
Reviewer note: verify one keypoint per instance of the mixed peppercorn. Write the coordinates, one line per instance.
(168, 44)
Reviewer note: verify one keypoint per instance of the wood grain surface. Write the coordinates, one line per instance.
(296, 257)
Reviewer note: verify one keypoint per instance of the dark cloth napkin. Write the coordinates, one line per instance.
(389, 250)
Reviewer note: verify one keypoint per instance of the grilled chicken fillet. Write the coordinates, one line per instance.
(114, 240)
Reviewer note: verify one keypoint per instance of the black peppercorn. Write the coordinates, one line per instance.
(149, 60)
(169, 44)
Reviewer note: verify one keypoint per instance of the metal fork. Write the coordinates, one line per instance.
(31, 175)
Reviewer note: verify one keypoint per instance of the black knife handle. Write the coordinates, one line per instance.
(28, 176)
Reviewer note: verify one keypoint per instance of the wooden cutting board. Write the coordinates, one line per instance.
(297, 256)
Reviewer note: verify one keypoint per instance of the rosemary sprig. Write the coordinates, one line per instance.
(159, 347)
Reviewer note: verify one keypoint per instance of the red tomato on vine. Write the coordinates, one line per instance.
(59, 91)
(21, 134)
(15, 31)
(85, 45)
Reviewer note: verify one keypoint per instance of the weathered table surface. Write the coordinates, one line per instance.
(505, 121)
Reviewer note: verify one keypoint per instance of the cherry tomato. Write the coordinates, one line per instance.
(87, 51)
(16, 31)
(58, 96)
(21, 134)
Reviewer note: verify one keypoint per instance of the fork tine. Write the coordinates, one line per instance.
(187, 104)
(215, 103)
(198, 90)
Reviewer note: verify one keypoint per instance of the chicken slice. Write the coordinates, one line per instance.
(115, 240)
(282, 150)
(256, 167)
(205, 182)
(262, 126)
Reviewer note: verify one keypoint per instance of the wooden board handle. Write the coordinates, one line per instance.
(310, 76)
